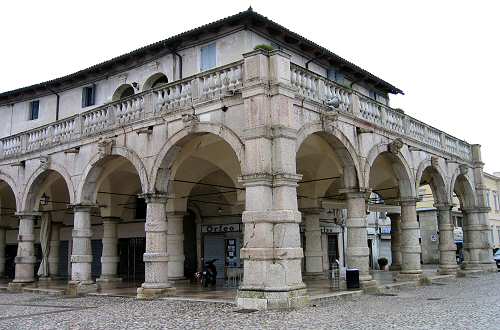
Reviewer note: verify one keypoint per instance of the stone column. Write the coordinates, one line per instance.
(54, 250)
(447, 248)
(109, 259)
(475, 243)
(2, 251)
(395, 240)
(175, 245)
(81, 255)
(481, 244)
(155, 258)
(25, 259)
(357, 251)
(313, 252)
(410, 245)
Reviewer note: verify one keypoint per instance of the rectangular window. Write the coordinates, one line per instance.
(334, 75)
(372, 95)
(488, 199)
(208, 57)
(88, 96)
(34, 109)
(495, 200)
(498, 232)
(492, 236)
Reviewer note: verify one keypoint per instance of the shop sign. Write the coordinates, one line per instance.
(228, 228)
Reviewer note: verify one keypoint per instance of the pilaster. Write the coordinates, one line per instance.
(175, 245)
(313, 252)
(109, 259)
(395, 241)
(410, 245)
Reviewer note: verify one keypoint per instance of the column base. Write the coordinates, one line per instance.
(314, 276)
(79, 288)
(108, 283)
(178, 280)
(18, 286)
(447, 269)
(369, 286)
(395, 268)
(154, 293)
(265, 300)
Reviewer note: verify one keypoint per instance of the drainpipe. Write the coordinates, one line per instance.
(57, 101)
(180, 61)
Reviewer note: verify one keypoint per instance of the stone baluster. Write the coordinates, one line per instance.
(175, 245)
(410, 245)
(313, 253)
(357, 251)
(155, 258)
(25, 259)
(447, 247)
(395, 240)
(81, 255)
(54, 244)
(109, 259)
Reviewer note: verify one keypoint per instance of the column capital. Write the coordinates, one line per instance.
(408, 201)
(355, 193)
(443, 206)
(256, 179)
(83, 207)
(28, 215)
(311, 210)
(111, 219)
(157, 198)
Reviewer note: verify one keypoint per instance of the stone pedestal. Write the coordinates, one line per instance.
(2, 252)
(357, 251)
(447, 248)
(313, 253)
(81, 256)
(156, 282)
(109, 259)
(175, 245)
(410, 245)
(54, 250)
(25, 259)
(395, 241)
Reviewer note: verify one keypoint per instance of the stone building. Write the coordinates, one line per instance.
(206, 146)
(492, 182)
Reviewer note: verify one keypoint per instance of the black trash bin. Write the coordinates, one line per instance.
(352, 278)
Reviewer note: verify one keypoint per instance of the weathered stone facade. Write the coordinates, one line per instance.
(276, 142)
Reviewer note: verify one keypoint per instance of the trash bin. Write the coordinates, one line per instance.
(352, 278)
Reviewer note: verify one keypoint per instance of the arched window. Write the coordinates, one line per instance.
(123, 91)
(155, 80)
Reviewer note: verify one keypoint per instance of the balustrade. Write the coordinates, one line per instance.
(206, 86)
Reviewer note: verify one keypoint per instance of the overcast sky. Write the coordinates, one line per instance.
(443, 54)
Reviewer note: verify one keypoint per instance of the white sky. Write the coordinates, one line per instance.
(443, 54)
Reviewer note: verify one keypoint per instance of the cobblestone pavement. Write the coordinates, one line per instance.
(463, 303)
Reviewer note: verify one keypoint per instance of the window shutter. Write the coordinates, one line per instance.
(92, 94)
(84, 96)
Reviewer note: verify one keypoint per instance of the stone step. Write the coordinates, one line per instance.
(332, 297)
(44, 291)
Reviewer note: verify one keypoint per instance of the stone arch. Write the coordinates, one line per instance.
(341, 146)
(401, 169)
(123, 91)
(466, 189)
(87, 192)
(29, 198)
(441, 190)
(12, 185)
(170, 149)
(155, 80)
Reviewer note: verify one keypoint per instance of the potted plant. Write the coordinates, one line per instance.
(382, 263)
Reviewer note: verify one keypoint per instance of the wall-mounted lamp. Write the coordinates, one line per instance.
(44, 200)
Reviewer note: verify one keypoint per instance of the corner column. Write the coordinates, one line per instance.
(357, 251)
(313, 252)
(395, 241)
(447, 248)
(175, 245)
(156, 282)
(109, 259)
(410, 245)
(54, 250)
(25, 259)
(81, 256)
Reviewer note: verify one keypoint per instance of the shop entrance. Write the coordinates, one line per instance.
(333, 249)
(131, 266)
